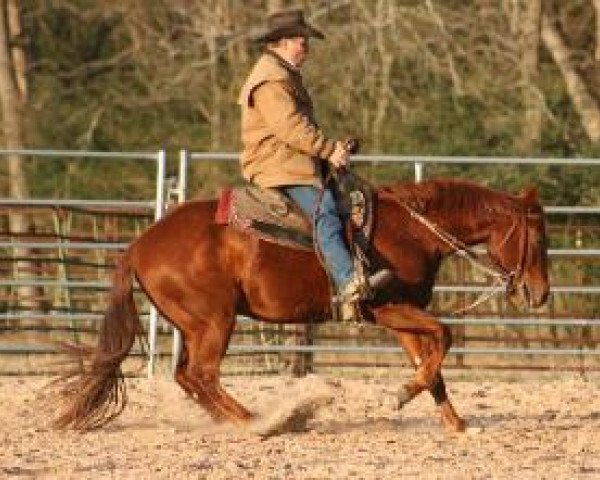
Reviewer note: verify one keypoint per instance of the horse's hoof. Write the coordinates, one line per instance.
(450, 420)
(454, 424)
(458, 426)
(404, 396)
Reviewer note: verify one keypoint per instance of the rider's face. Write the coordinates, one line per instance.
(297, 49)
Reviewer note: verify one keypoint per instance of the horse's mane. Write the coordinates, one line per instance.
(450, 195)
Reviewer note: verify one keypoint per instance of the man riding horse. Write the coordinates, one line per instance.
(284, 148)
(201, 274)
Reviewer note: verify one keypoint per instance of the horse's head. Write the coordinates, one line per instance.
(518, 245)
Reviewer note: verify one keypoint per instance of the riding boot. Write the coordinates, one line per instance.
(359, 289)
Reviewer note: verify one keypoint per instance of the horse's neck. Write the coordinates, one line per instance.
(469, 229)
(476, 215)
(464, 211)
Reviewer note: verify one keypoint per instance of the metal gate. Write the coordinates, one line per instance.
(55, 247)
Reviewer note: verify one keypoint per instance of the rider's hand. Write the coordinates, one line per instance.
(339, 157)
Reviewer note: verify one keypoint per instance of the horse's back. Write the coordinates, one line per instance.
(188, 222)
(174, 243)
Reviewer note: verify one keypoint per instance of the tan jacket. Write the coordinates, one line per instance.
(282, 144)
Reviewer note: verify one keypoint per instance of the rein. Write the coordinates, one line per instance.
(501, 278)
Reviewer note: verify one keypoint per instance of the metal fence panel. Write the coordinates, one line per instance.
(155, 205)
(420, 167)
(418, 164)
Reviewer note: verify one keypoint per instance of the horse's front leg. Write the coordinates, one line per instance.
(418, 347)
(407, 319)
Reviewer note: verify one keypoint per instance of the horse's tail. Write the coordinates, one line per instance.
(93, 392)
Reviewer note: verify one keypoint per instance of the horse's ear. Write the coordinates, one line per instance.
(529, 194)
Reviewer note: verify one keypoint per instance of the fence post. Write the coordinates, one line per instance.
(161, 160)
(418, 171)
(181, 196)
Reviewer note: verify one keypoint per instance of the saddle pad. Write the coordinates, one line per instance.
(266, 213)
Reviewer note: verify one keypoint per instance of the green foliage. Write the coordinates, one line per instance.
(453, 127)
(89, 178)
(144, 75)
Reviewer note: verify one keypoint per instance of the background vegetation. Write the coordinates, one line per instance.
(477, 77)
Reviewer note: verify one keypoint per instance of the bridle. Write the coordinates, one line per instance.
(502, 279)
(514, 276)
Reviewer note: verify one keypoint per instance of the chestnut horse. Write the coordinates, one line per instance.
(200, 275)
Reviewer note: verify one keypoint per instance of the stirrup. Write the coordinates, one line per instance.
(368, 288)
(359, 289)
(345, 304)
(380, 279)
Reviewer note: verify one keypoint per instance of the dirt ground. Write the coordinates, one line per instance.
(520, 426)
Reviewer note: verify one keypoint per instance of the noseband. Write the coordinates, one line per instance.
(513, 277)
(503, 279)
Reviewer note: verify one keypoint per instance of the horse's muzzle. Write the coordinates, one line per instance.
(524, 293)
(521, 293)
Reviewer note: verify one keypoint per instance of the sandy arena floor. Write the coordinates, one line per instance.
(520, 426)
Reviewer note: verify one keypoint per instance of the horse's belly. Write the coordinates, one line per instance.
(285, 284)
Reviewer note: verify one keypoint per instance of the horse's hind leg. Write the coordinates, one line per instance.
(417, 348)
(195, 391)
(204, 345)
(199, 371)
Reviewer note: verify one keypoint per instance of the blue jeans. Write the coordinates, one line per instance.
(328, 229)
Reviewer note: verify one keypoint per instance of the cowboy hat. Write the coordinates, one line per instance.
(287, 24)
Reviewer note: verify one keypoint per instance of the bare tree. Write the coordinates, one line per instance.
(385, 65)
(585, 104)
(532, 97)
(379, 18)
(446, 41)
(273, 5)
(512, 10)
(12, 98)
(16, 50)
(596, 4)
(193, 52)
